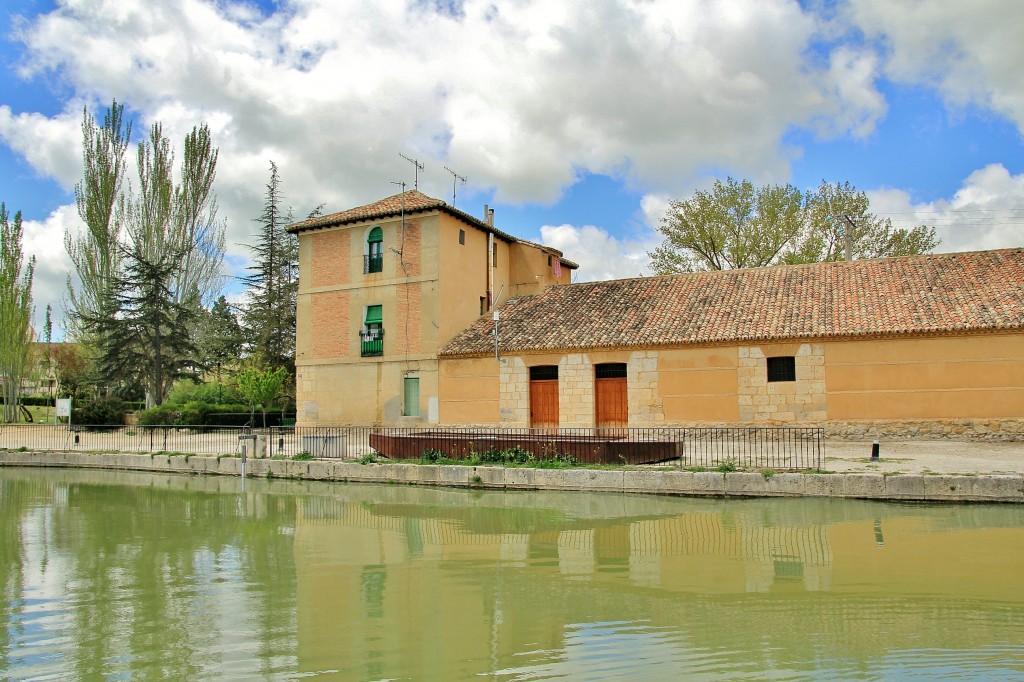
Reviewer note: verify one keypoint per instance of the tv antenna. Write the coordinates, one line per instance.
(455, 181)
(417, 165)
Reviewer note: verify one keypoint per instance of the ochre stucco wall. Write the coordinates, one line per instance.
(976, 376)
(468, 391)
(698, 384)
(368, 392)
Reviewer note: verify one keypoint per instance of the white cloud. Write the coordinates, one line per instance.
(45, 240)
(970, 51)
(522, 97)
(985, 213)
(600, 255)
(517, 96)
(53, 146)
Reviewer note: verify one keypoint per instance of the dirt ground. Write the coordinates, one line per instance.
(923, 457)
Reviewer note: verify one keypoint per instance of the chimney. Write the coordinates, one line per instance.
(490, 217)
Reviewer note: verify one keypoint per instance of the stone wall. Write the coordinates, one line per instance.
(514, 392)
(1007, 430)
(642, 380)
(575, 391)
(789, 402)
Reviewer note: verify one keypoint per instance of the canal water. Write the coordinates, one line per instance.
(117, 575)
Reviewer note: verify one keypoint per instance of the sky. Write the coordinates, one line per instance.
(577, 121)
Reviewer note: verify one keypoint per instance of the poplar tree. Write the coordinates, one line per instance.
(148, 260)
(95, 253)
(15, 311)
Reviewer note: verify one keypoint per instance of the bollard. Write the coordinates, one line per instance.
(874, 451)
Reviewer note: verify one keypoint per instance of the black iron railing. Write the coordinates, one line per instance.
(718, 448)
(373, 263)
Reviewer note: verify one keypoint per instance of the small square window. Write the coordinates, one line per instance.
(782, 368)
(462, 237)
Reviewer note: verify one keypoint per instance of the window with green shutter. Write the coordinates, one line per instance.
(411, 397)
(372, 335)
(374, 260)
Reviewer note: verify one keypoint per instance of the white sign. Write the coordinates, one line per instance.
(64, 407)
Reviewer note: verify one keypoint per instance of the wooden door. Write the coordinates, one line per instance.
(544, 403)
(612, 404)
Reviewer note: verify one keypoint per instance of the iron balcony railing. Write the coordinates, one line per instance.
(718, 448)
(371, 343)
(373, 263)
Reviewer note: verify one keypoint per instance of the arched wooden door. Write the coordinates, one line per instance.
(611, 402)
(544, 397)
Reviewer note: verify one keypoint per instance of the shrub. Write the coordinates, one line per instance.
(161, 415)
(212, 393)
(101, 411)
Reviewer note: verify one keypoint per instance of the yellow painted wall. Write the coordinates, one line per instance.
(976, 376)
(468, 390)
(699, 384)
(530, 271)
(463, 280)
(366, 392)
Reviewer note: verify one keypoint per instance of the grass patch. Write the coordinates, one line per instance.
(512, 457)
(302, 457)
(727, 466)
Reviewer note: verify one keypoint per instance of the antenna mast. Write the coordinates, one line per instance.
(417, 165)
(455, 181)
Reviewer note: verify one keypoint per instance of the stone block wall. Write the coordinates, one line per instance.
(645, 403)
(761, 401)
(575, 391)
(514, 392)
(993, 430)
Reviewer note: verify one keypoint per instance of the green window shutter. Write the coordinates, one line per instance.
(376, 235)
(411, 399)
(374, 314)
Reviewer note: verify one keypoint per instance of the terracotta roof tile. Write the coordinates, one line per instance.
(412, 201)
(938, 293)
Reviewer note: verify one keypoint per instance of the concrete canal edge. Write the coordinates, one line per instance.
(872, 486)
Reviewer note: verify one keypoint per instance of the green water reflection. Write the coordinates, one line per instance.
(133, 576)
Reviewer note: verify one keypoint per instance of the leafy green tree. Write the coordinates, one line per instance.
(738, 225)
(72, 367)
(219, 337)
(261, 387)
(95, 253)
(15, 311)
(163, 240)
(832, 211)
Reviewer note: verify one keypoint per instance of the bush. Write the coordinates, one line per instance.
(101, 411)
(212, 393)
(161, 415)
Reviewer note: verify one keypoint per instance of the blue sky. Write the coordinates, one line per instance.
(577, 121)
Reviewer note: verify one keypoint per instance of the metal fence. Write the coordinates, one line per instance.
(722, 448)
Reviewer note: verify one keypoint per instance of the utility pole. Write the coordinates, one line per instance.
(848, 236)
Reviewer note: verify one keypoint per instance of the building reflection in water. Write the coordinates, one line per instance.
(493, 580)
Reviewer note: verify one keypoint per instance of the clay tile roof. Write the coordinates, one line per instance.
(930, 294)
(414, 202)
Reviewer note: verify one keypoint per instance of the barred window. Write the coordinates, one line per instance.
(782, 368)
